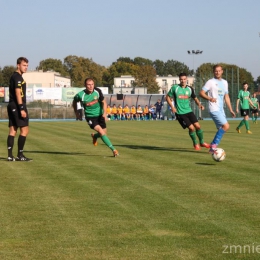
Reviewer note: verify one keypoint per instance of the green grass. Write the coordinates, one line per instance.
(159, 199)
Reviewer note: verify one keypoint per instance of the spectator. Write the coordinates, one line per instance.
(133, 112)
(126, 112)
(158, 108)
(114, 112)
(152, 112)
(139, 112)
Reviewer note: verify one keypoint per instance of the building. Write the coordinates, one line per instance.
(124, 84)
(48, 79)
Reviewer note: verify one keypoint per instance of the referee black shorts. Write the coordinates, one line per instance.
(14, 116)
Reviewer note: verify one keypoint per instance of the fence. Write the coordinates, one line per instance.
(46, 110)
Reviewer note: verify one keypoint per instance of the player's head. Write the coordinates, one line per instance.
(245, 85)
(22, 65)
(218, 71)
(254, 94)
(89, 84)
(183, 79)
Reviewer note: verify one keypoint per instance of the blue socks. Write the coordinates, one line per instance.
(218, 136)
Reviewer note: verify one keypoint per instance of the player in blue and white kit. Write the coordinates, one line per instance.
(216, 92)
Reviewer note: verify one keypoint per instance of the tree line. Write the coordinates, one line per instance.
(143, 70)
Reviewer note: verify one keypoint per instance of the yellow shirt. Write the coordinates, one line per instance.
(126, 110)
(133, 110)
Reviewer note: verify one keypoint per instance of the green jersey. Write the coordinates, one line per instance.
(181, 96)
(91, 102)
(255, 101)
(244, 97)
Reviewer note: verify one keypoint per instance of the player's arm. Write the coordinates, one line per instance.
(204, 95)
(237, 104)
(198, 103)
(74, 105)
(252, 104)
(228, 103)
(20, 102)
(168, 99)
(104, 104)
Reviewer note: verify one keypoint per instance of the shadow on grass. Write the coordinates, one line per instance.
(53, 152)
(156, 148)
(207, 164)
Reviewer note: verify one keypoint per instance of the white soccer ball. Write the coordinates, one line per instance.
(219, 155)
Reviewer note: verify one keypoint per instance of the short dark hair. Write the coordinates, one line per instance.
(183, 74)
(245, 83)
(20, 59)
(216, 66)
(87, 79)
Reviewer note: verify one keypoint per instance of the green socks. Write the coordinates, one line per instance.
(107, 142)
(200, 136)
(193, 137)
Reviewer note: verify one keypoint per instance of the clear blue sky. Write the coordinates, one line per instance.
(104, 30)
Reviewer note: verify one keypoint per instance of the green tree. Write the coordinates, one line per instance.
(53, 65)
(125, 59)
(142, 61)
(7, 72)
(80, 68)
(159, 67)
(145, 76)
(174, 68)
(118, 69)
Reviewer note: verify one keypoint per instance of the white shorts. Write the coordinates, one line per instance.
(219, 118)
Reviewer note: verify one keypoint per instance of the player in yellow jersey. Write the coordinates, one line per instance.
(108, 111)
(119, 112)
(133, 112)
(146, 113)
(126, 112)
(139, 112)
(114, 112)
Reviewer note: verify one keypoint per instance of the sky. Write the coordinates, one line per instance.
(225, 30)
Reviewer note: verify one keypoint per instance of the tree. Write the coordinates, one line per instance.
(159, 67)
(80, 68)
(7, 72)
(117, 69)
(145, 76)
(53, 65)
(142, 61)
(174, 68)
(125, 59)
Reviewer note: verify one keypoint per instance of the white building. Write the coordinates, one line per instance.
(164, 83)
(49, 79)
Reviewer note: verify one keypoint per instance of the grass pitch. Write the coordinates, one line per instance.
(159, 199)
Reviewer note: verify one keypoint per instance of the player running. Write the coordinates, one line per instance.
(95, 107)
(181, 95)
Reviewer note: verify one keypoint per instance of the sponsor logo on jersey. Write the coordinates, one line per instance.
(183, 97)
(88, 104)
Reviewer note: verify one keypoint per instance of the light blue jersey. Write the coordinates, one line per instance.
(216, 89)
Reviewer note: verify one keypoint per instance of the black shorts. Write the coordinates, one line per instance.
(186, 120)
(94, 121)
(14, 116)
(244, 112)
(254, 111)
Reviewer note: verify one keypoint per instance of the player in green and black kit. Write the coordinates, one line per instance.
(255, 109)
(181, 95)
(244, 100)
(95, 106)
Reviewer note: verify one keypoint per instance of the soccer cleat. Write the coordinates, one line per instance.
(238, 130)
(23, 159)
(205, 145)
(212, 149)
(249, 132)
(94, 140)
(11, 159)
(115, 153)
(196, 147)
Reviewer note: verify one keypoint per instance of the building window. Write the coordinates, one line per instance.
(122, 83)
(132, 83)
(174, 81)
(164, 82)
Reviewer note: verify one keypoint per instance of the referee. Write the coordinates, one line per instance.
(17, 111)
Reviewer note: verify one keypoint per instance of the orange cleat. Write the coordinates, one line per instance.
(94, 140)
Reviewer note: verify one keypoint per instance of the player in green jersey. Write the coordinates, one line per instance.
(243, 99)
(255, 110)
(181, 95)
(95, 108)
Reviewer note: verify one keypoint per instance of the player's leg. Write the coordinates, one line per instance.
(222, 125)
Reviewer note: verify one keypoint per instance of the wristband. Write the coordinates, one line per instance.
(21, 106)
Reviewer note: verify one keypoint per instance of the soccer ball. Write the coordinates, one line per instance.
(219, 155)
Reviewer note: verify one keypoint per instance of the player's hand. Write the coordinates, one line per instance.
(233, 113)
(213, 100)
(23, 114)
